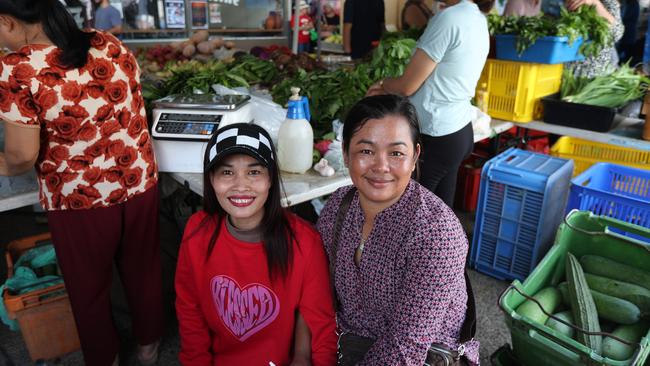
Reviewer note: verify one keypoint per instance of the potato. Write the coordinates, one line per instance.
(177, 45)
(229, 44)
(205, 47)
(202, 57)
(200, 36)
(189, 50)
(217, 42)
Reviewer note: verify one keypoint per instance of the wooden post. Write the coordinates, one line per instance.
(646, 110)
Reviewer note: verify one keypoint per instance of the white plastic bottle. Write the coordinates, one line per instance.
(296, 137)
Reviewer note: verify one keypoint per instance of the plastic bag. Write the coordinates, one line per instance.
(266, 113)
(25, 278)
(481, 123)
(334, 154)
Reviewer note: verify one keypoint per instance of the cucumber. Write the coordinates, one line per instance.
(617, 271)
(548, 297)
(608, 307)
(582, 305)
(639, 296)
(616, 350)
(559, 326)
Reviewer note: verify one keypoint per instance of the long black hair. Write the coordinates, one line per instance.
(59, 26)
(277, 234)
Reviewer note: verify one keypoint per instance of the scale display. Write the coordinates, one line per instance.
(188, 124)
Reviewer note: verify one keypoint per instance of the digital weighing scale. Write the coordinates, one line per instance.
(182, 126)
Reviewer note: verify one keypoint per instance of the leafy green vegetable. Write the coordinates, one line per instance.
(613, 90)
(391, 57)
(331, 94)
(584, 22)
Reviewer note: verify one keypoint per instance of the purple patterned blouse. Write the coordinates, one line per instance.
(409, 289)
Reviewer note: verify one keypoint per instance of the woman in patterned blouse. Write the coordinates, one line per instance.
(400, 259)
(607, 58)
(72, 106)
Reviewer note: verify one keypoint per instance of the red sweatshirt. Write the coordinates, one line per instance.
(229, 312)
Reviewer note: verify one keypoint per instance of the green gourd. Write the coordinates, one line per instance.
(548, 297)
(639, 296)
(559, 326)
(608, 307)
(615, 270)
(582, 305)
(616, 350)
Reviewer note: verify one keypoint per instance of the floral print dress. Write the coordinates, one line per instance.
(95, 149)
(607, 58)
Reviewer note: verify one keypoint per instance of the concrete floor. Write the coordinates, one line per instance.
(492, 332)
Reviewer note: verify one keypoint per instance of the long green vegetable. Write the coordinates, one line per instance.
(613, 90)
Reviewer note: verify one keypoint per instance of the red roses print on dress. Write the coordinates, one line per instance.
(95, 146)
(101, 70)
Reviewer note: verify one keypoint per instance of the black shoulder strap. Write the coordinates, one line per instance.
(338, 225)
(468, 330)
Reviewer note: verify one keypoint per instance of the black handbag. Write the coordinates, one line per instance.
(352, 348)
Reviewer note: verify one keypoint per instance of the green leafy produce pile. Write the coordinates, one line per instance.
(330, 93)
(613, 90)
(584, 22)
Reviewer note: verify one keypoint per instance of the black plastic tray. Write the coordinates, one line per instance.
(583, 116)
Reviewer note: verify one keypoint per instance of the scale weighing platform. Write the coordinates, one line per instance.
(182, 126)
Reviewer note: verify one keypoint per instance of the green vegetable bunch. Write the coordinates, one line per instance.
(391, 57)
(584, 22)
(254, 70)
(195, 76)
(331, 94)
(613, 90)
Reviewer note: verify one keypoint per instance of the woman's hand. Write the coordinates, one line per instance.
(573, 5)
(376, 89)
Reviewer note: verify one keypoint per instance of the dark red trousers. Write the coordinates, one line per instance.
(87, 242)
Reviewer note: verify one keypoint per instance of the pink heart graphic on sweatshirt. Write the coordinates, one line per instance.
(244, 311)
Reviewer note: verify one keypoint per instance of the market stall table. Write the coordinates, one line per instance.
(612, 137)
(11, 202)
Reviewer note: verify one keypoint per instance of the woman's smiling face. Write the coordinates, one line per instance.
(381, 158)
(242, 185)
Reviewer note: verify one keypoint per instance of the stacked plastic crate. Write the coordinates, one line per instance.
(516, 82)
(521, 203)
(615, 191)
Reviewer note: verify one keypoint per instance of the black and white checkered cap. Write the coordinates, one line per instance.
(244, 138)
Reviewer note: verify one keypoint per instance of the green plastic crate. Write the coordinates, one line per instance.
(581, 233)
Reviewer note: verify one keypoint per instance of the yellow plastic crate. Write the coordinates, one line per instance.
(515, 88)
(586, 153)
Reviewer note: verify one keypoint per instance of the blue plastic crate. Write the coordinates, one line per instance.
(613, 190)
(521, 203)
(546, 50)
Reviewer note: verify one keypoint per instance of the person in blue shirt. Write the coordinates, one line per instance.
(107, 17)
(440, 80)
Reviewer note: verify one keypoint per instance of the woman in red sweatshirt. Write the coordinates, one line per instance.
(248, 270)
